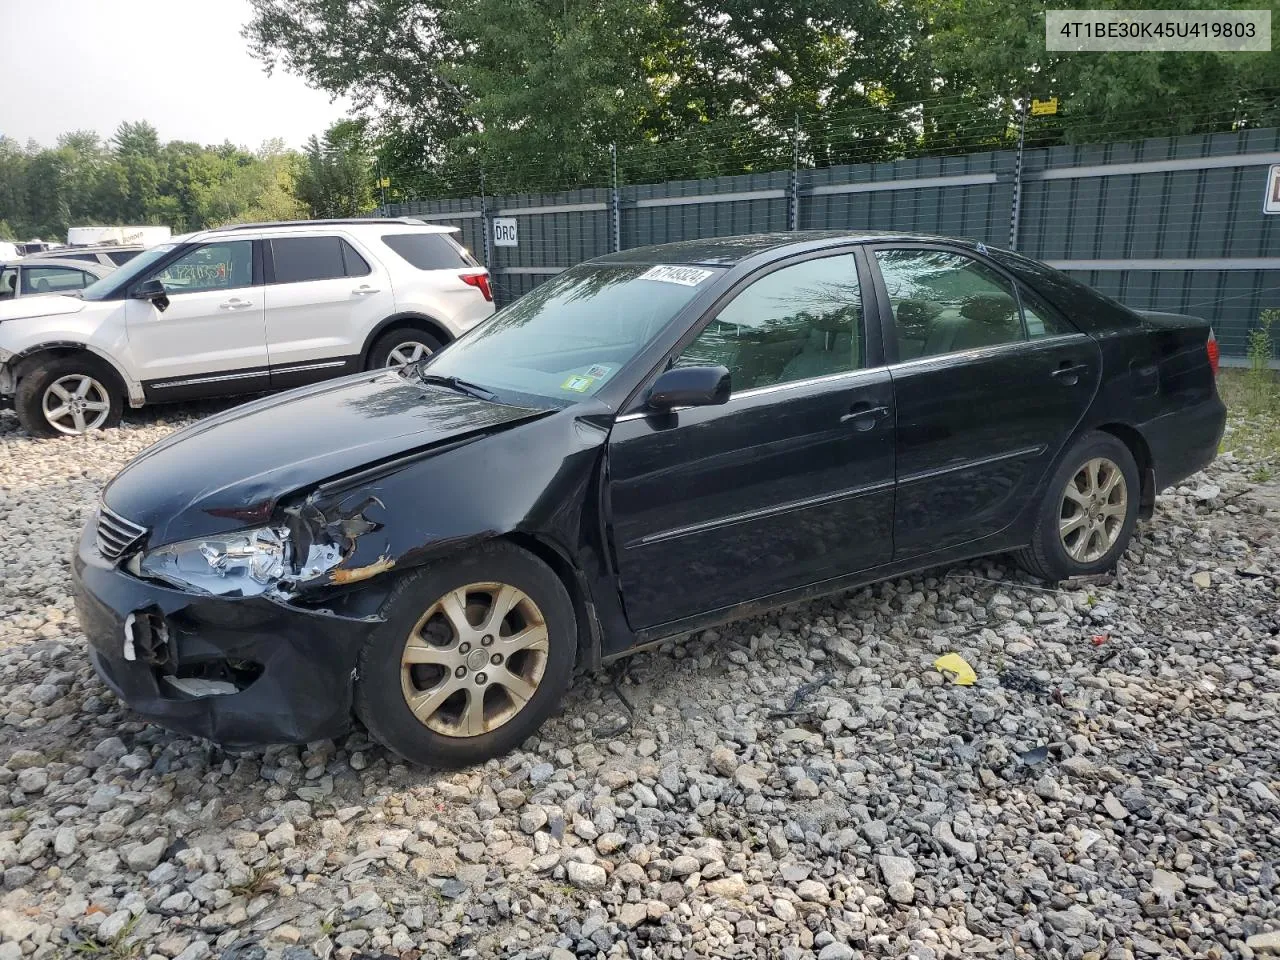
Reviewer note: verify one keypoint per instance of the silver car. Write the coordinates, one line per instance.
(32, 276)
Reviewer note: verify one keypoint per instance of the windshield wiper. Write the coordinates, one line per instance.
(461, 386)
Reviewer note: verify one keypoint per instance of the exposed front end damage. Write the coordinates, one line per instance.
(243, 622)
(243, 671)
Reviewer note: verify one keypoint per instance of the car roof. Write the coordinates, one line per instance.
(726, 251)
(87, 248)
(88, 266)
(381, 223)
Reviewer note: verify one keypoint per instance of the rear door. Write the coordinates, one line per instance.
(210, 339)
(989, 383)
(789, 483)
(323, 297)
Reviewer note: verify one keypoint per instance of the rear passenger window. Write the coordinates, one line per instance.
(121, 257)
(307, 258)
(53, 279)
(430, 251)
(356, 265)
(1040, 318)
(944, 302)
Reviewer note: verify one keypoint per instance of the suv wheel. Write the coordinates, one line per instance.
(402, 347)
(68, 396)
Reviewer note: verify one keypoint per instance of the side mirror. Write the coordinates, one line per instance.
(152, 290)
(690, 387)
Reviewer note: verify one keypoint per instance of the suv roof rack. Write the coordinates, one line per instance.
(306, 223)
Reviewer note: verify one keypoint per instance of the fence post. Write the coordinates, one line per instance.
(1015, 210)
(486, 233)
(615, 200)
(793, 206)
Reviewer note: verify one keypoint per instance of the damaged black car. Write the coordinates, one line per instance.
(650, 443)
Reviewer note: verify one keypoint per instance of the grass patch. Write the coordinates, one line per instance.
(119, 947)
(1252, 397)
(260, 881)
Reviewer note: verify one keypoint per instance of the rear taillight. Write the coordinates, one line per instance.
(480, 281)
(1211, 348)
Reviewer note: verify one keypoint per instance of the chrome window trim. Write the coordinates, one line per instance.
(996, 349)
(853, 375)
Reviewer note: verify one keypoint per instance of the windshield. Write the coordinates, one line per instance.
(118, 279)
(565, 339)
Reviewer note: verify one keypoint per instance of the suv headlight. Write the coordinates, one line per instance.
(245, 563)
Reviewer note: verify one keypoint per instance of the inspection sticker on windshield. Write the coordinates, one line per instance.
(578, 384)
(685, 276)
(599, 371)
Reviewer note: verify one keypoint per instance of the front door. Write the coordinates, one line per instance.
(989, 382)
(211, 339)
(789, 483)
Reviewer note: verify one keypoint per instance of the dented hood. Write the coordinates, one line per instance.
(228, 471)
(41, 305)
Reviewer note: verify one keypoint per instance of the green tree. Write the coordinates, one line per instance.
(335, 174)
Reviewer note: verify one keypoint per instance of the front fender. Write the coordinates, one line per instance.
(26, 338)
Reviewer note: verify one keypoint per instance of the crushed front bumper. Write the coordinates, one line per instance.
(293, 667)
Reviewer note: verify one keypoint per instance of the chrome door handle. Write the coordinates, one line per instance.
(235, 303)
(364, 290)
(864, 417)
(1069, 375)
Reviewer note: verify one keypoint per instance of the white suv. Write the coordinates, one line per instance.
(241, 309)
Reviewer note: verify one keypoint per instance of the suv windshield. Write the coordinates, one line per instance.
(121, 278)
(566, 338)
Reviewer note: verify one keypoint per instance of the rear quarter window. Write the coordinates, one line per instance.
(429, 251)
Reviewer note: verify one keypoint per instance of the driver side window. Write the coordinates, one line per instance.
(796, 323)
(214, 266)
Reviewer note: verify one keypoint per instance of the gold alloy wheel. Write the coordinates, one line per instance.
(1094, 506)
(474, 659)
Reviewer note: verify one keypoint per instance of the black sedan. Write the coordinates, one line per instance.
(652, 442)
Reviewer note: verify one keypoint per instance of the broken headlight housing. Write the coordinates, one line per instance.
(245, 563)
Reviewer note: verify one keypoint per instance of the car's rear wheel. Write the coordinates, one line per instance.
(1089, 511)
(474, 654)
(68, 396)
(401, 347)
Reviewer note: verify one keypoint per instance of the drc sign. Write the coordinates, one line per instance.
(504, 232)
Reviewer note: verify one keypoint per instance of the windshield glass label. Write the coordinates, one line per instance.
(685, 276)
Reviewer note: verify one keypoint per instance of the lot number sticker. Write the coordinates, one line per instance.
(685, 276)
(505, 233)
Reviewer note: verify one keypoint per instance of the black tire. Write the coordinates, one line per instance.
(380, 697)
(37, 379)
(390, 340)
(1046, 556)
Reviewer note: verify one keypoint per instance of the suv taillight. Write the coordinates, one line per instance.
(1211, 348)
(480, 281)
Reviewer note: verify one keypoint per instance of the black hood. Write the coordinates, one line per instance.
(228, 471)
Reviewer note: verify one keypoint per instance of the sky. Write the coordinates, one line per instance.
(179, 64)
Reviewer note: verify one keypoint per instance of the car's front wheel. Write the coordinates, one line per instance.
(1089, 511)
(473, 655)
(68, 396)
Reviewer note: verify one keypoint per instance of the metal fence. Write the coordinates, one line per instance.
(1172, 223)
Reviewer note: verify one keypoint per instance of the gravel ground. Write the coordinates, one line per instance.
(802, 784)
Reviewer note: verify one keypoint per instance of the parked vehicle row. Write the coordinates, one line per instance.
(651, 443)
(241, 309)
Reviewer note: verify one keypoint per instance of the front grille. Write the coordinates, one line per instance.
(116, 534)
